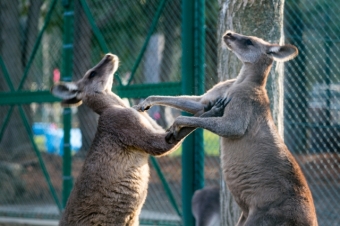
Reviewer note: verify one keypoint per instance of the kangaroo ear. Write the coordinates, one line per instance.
(65, 90)
(68, 92)
(282, 53)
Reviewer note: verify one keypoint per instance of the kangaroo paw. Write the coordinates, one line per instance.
(217, 110)
(142, 106)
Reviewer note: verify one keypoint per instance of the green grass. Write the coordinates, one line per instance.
(211, 145)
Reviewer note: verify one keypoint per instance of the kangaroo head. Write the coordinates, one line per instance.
(97, 80)
(250, 49)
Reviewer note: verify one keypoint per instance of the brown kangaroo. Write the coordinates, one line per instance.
(112, 185)
(260, 172)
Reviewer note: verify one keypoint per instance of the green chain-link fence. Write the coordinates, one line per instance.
(312, 99)
(148, 37)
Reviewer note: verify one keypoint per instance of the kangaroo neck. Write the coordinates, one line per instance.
(100, 101)
(255, 72)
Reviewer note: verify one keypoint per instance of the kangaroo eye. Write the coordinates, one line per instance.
(249, 43)
(92, 74)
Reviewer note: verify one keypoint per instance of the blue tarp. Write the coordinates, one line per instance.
(54, 137)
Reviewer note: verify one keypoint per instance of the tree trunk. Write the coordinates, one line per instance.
(263, 19)
(82, 62)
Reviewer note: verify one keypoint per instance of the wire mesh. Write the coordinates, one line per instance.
(312, 101)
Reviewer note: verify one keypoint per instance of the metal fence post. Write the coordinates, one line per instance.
(66, 75)
(193, 46)
(199, 87)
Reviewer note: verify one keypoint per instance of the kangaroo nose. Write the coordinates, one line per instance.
(228, 34)
(110, 56)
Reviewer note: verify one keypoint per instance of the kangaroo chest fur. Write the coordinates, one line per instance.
(258, 168)
(113, 183)
(260, 172)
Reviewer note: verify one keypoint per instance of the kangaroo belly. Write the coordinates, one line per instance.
(260, 176)
(108, 197)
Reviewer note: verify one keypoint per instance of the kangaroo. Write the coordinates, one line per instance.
(259, 170)
(206, 206)
(112, 186)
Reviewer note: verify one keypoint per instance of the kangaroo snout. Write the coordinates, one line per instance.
(111, 57)
(229, 35)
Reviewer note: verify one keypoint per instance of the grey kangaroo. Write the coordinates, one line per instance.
(112, 185)
(259, 170)
(206, 206)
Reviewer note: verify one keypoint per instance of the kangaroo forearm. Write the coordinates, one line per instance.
(189, 104)
(163, 149)
(156, 145)
(185, 131)
(217, 125)
(152, 122)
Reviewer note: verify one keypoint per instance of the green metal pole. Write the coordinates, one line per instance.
(192, 83)
(66, 73)
(199, 88)
(188, 88)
